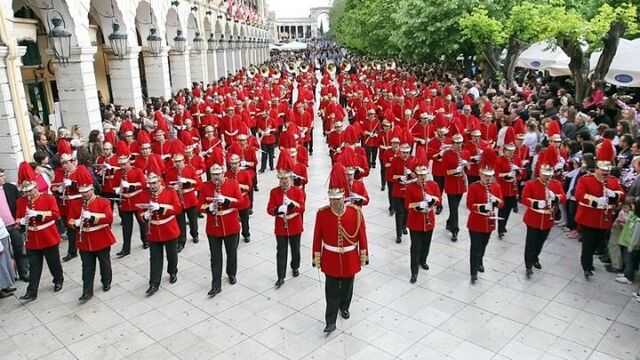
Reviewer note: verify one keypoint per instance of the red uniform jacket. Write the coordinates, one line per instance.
(294, 214)
(226, 221)
(591, 214)
(163, 225)
(189, 184)
(434, 152)
(398, 167)
(340, 241)
(70, 192)
(421, 219)
(42, 232)
(455, 184)
(480, 220)
(245, 181)
(107, 173)
(534, 191)
(508, 176)
(358, 188)
(268, 128)
(96, 232)
(130, 183)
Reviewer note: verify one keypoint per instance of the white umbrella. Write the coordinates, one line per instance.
(625, 67)
(545, 56)
(293, 46)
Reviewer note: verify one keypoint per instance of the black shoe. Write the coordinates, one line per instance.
(295, 272)
(57, 287)
(391, 212)
(588, 274)
(345, 313)
(261, 171)
(424, 266)
(173, 278)
(474, 278)
(250, 212)
(515, 209)
(382, 188)
(255, 188)
(537, 265)
(611, 269)
(84, 298)
(122, 254)
(247, 239)
(398, 240)
(28, 297)
(69, 257)
(4, 294)
(106, 288)
(232, 280)
(145, 245)
(213, 292)
(529, 273)
(9, 290)
(179, 249)
(279, 283)
(500, 236)
(438, 209)
(454, 237)
(404, 231)
(195, 240)
(481, 268)
(413, 279)
(152, 290)
(330, 328)
(24, 277)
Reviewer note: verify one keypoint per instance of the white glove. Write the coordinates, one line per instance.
(86, 214)
(424, 204)
(116, 190)
(428, 198)
(282, 209)
(124, 184)
(212, 207)
(107, 166)
(154, 206)
(463, 163)
(603, 202)
(218, 198)
(31, 213)
(542, 203)
(403, 179)
(67, 182)
(458, 169)
(286, 201)
(182, 180)
(146, 215)
(552, 196)
(77, 222)
(243, 163)
(514, 167)
(559, 166)
(24, 221)
(610, 193)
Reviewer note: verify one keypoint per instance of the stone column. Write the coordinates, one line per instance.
(231, 59)
(221, 58)
(156, 70)
(124, 75)
(76, 82)
(252, 53)
(198, 66)
(212, 65)
(238, 55)
(14, 136)
(180, 70)
(244, 53)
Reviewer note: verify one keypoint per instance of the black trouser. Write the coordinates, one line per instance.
(571, 214)
(383, 172)
(310, 143)
(192, 215)
(471, 179)
(510, 202)
(157, 259)
(631, 260)
(231, 248)
(89, 268)
(52, 255)
(372, 154)
(479, 243)
(244, 221)
(401, 215)
(591, 239)
(533, 245)
(283, 242)
(389, 197)
(267, 153)
(452, 221)
(420, 245)
(338, 293)
(19, 251)
(127, 229)
(440, 181)
(72, 250)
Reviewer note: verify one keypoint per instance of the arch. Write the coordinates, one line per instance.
(172, 25)
(228, 30)
(101, 12)
(62, 9)
(243, 32)
(219, 28)
(235, 30)
(145, 20)
(192, 28)
(207, 27)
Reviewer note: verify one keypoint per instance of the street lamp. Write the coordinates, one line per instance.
(60, 40)
(118, 41)
(211, 41)
(198, 42)
(154, 41)
(179, 42)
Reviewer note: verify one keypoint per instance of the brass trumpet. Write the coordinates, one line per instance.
(252, 72)
(390, 65)
(264, 71)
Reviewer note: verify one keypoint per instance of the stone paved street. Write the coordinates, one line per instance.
(556, 315)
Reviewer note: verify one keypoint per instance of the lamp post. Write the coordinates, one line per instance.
(179, 42)
(60, 40)
(154, 41)
(118, 41)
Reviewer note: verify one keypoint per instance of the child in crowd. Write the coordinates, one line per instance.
(629, 239)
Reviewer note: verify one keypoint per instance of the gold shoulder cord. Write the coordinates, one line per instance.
(350, 238)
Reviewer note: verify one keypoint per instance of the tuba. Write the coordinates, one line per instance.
(304, 66)
(332, 69)
(252, 72)
(264, 71)
(376, 65)
(390, 65)
(345, 66)
(292, 69)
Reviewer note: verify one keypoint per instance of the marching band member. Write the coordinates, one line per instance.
(287, 205)
(245, 179)
(38, 214)
(541, 196)
(220, 199)
(597, 196)
(483, 199)
(436, 148)
(509, 170)
(92, 219)
(339, 249)
(401, 176)
(455, 181)
(160, 206)
(183, 179)
(421, 198)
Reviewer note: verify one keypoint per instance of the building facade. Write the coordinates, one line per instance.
(60, 58)
(302, 28)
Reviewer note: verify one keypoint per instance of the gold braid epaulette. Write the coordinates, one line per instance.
(350, 238)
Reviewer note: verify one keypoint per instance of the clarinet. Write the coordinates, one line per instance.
(217, 192)
(491, 209)
(180, 190)
(605, 190)
(85, 204)
(427, 220)
(284, 216)
(64, 187)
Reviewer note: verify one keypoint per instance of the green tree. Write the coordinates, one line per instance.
(365, 27)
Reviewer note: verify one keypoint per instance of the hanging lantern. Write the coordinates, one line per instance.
(212, 41)
(118, 41)
(60, 40)
(154, 41)
(198, 42)
(179, 42)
